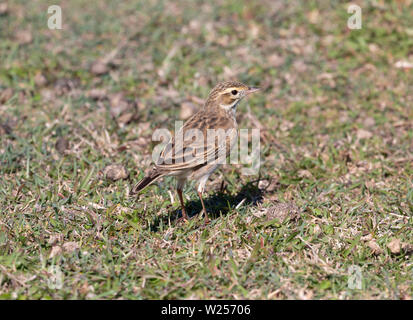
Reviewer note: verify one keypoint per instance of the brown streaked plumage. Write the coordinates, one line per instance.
(197, 159)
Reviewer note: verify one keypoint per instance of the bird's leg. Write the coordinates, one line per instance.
(203, 207)
(181, 199)
(201, 188)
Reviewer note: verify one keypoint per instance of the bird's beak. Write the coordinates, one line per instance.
(251, 90)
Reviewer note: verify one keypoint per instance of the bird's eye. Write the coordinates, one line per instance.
(234, 92)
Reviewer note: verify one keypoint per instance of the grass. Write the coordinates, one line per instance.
(336, 135)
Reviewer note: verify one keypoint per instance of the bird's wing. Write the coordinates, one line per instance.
(195, 145)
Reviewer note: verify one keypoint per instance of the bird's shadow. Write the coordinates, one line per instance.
(218, 203)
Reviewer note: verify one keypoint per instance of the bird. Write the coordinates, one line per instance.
(196, 159)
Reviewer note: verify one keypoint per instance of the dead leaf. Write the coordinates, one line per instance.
(305, 174)
(4, 8)
(64, 86)
(313, 16)
(23, 37)
(70, 246)
(101, 65)
(97, 94)
(124, 111)
(407, 247)
(125, 118)
(263, 184)
(40, 80)
(363, 134)
(144, 126)
(367, 237)
(279, 211)
(85, 288)
(54, 239)
(99, 68)
(254, 30)
(404, 290)
(402, 64)
(286, 125)
(56, 250)
(283, 210)
(327, 78)
(275, 60)
(305, 294)
(268, 185)
(115, 172)
(300, 66)
(6, 95)
(375, 248)
(5, 129)
(118, 104)
(47, 94)
(394, 246)
(317, 229)
(62, 145)
(187, 110)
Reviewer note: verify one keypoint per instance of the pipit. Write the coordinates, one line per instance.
(187, 158)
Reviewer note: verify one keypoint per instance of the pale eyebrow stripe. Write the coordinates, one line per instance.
(232, 88)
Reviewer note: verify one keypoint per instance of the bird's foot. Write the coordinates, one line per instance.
(184, 218)
(206, 219)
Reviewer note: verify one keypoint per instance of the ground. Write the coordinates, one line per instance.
(332, 203)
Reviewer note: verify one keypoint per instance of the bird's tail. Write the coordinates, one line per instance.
(151, 177)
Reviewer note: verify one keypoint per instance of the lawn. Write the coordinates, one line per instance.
(330, 214)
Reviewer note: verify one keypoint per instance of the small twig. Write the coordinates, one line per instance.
(171, 196)
(240, 204)
(11, 276)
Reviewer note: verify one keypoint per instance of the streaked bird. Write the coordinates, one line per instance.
(187, 158)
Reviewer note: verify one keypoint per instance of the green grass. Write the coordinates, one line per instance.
(337, 142)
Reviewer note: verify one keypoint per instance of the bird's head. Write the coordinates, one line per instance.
(229, 93)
